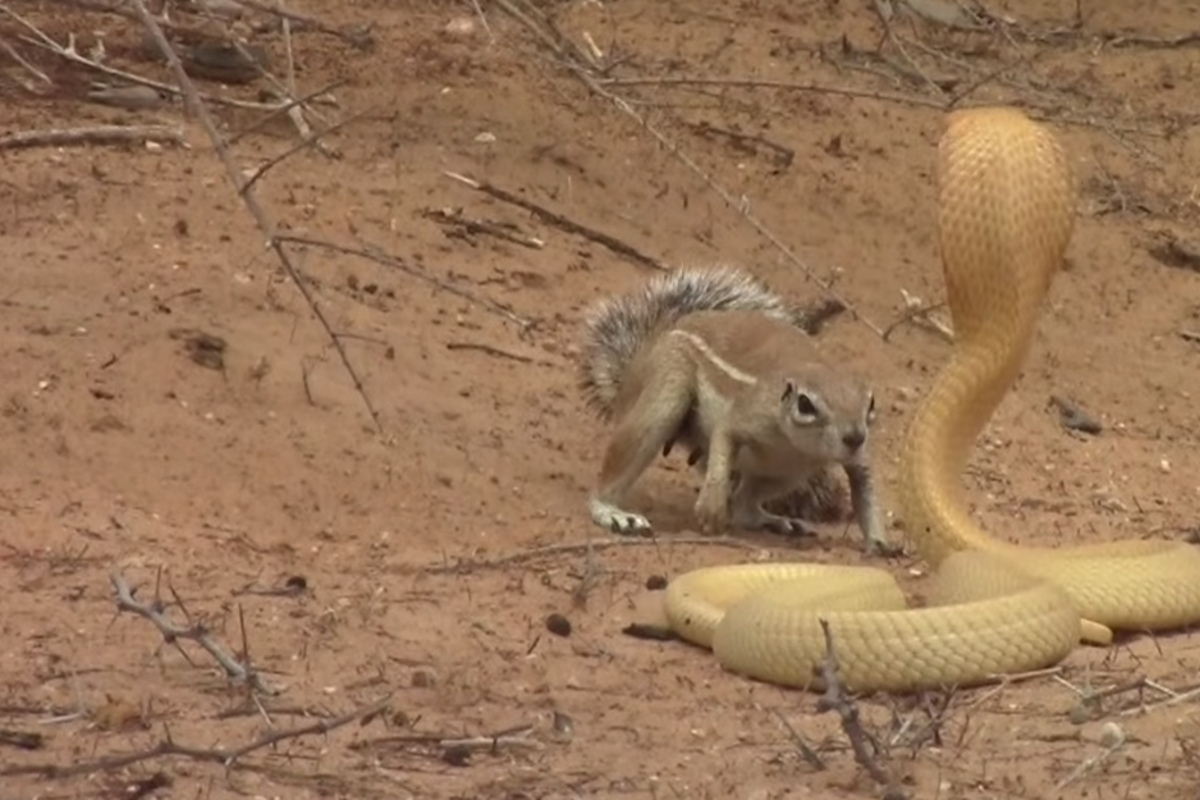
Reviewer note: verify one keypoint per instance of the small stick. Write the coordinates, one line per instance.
(226, 757)
(514, 737)
(834, 699)
(305, 140)
(358, 36)
(1073, 417)
(807, 752)
(599, 544)
(96, 134)
(466, 224)
(784, 156)
(370, 252)
(1113, 738)
(916, 311)
(483, 21)
(286, 108)
(171, 633)
(69, 53)
(1004, 681)
(17, 57)
(794, 86)
(493, 743)
(489, 349)
(561, 222)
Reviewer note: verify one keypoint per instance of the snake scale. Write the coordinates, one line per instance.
(1005, 217)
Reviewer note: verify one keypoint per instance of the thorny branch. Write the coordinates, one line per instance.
(196, 106)
(226, 757)
(864, 745)
(172, 633)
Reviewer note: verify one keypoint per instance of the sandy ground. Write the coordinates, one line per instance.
(214, 477)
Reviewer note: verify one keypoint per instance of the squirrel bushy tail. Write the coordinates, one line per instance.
(617, 327)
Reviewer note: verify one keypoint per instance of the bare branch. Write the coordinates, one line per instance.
(864, 745)
(600, 544)
(372, 253)
(227, 757)
(171, 633)
(98, 134)
(200, 111)
(561, 222)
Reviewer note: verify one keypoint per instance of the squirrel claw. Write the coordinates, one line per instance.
(884, 549)
(619, 522)
(787, 526)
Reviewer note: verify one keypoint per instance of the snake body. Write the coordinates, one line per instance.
(1005, 217)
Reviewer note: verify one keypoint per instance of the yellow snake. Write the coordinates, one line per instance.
(1006, 212)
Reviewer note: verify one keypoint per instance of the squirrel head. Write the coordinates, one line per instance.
(831, 422)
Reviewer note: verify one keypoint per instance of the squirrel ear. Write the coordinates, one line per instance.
(789, 389)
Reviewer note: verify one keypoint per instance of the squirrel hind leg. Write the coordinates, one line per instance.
(642, 433)
(749, 511)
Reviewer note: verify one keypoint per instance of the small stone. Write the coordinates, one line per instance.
(1112, 735)
(656, 583)
(558, 625)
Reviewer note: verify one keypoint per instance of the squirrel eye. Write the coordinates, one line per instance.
(805, 406)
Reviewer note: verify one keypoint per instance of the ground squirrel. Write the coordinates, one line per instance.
(714, 360)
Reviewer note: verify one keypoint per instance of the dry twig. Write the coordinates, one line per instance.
(489, 349)
(249, 198)
(549, 551)
(457, 749)
(561, 222)
(68, 52)
(461, 226)
(372, 253)
(916, 311)
(226, 757)
(864, 745)
(94, 134)
(156, 613)
(791, 86)
(41, 77)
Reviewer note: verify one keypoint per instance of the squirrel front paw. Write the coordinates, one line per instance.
(884, 548)
(621, 522)
(712, 511)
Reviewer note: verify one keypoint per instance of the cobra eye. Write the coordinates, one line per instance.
(805, 406)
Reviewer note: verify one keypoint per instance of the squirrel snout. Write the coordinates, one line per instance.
(854, 438)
